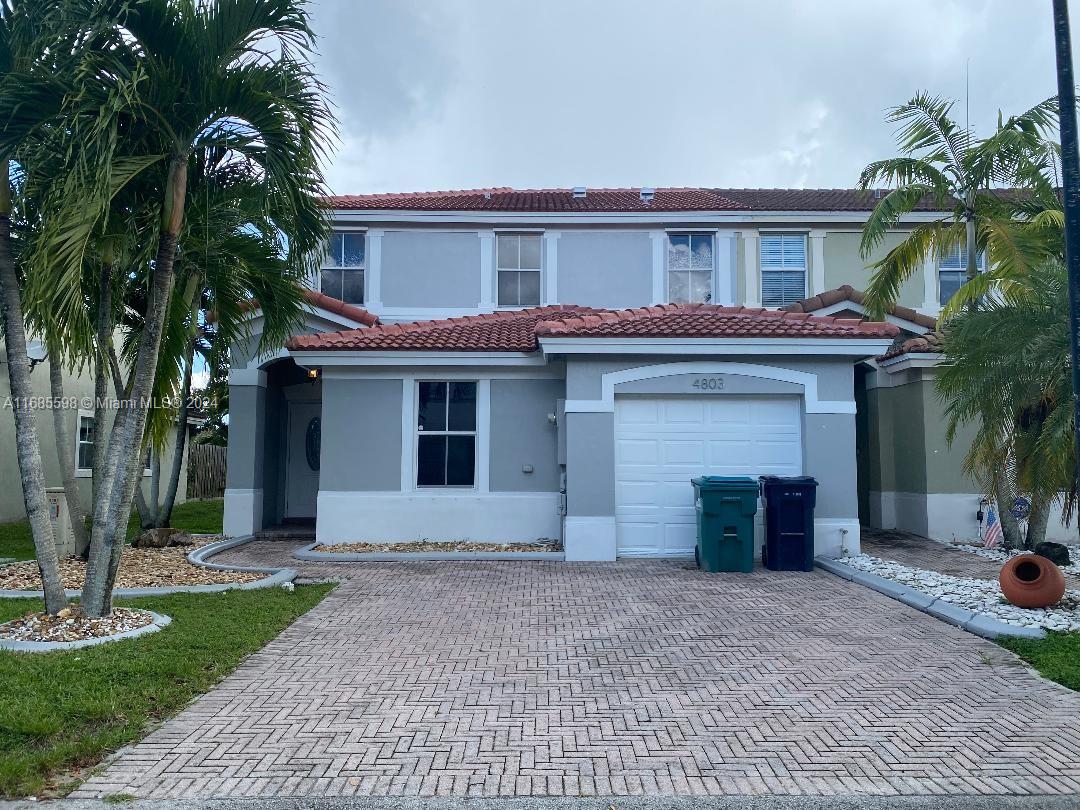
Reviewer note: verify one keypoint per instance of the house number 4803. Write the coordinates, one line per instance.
(708, 383)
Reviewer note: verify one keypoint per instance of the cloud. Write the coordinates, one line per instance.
(468, 93)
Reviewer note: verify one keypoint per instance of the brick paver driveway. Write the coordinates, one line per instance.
(533, 678)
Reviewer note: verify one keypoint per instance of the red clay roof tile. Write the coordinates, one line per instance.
(849, 293)
(521, 331)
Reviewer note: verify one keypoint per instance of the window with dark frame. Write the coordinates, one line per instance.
(446, 434)
(519, 259)
(342, 275)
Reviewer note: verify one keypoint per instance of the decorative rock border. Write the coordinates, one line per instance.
(977, 623)
(53, 646)
(199, 557)
(309, 554)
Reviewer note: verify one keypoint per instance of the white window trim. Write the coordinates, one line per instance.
(364, 268)
(410, 435)
(711, 233)
(82, 472)
(541, 270)
(87, 472)
(762, 270)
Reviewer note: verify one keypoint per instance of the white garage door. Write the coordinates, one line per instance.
(663, 442)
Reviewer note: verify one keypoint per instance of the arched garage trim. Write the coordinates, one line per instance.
(807, 381)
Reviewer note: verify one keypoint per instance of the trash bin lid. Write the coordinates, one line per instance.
(806, 480)
(725, 482)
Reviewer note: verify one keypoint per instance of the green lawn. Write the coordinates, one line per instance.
(200, 517)
(1056, 657)
(65, 711)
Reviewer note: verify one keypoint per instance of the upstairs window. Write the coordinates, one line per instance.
(953, 271)
(446, 434)
(783, 269)
(342, 274)
(519, 264)
(690, 268)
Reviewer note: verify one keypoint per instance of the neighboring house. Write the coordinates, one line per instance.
(511, 365)
(79, 413)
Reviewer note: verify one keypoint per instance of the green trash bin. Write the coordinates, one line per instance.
(726, 505)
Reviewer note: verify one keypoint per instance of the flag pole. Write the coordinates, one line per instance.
(1070, 164)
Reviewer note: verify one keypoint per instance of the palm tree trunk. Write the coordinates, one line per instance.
(972, 247)
(27, 446)
(125, 438)
(65, 456)
(122, 394)
(164, 514)
(1010, 526)
(155, 485)
(101, 368)
(1038, 520)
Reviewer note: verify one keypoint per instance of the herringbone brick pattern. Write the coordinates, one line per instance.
(537, 678)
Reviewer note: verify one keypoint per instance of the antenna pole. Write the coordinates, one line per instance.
(1070, 161)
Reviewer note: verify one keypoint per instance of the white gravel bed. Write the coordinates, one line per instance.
(70, 624)
(978, 595)
(1003, 554)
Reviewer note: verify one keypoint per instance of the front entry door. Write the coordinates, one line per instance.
(302, 471)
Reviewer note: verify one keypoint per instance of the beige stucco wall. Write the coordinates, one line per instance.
(906, 446)
(844, 265)
(75, 386)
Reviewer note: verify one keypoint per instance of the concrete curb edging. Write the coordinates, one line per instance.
(309, 554)
(198, 557)
(978, 623)
(53, 646)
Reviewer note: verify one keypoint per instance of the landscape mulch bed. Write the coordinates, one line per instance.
(139, 568)
(71, 624)
(423, 546)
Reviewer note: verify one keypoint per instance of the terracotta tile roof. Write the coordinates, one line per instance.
(930, 343)
(511, 331)
(556, 200)
(350, 311)
(710, 320)
(849, 293)
(540, 200)
(520, 331)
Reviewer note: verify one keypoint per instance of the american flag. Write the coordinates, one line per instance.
(992, 532)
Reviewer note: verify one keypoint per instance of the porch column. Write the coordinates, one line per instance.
(243, 478)
(589, 528)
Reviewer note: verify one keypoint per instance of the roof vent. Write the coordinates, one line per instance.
(647, 194)
(579, 192)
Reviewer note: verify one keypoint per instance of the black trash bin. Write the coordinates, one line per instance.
(789, 522)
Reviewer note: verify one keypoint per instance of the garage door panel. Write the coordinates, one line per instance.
(683, 452)
(688, 437)
(683, 412)
(639, 412)
(637, 452)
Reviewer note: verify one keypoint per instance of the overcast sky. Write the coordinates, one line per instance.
(442, 94)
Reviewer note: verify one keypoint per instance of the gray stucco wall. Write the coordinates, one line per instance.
(430, 269)
(361, 435)
(590, 464)
(521, 434)
(605, 268)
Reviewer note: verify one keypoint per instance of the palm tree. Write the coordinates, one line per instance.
(942, 163)
(1006, 371)
(21, 25)
(169, 79)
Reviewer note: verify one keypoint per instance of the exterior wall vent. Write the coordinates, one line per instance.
(579, 192)
(647, 194)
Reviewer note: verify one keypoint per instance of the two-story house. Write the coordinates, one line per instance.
(504, 364)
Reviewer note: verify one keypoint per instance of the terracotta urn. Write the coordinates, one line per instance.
(1031, 581)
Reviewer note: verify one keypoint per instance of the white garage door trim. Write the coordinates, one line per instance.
(661, 442)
